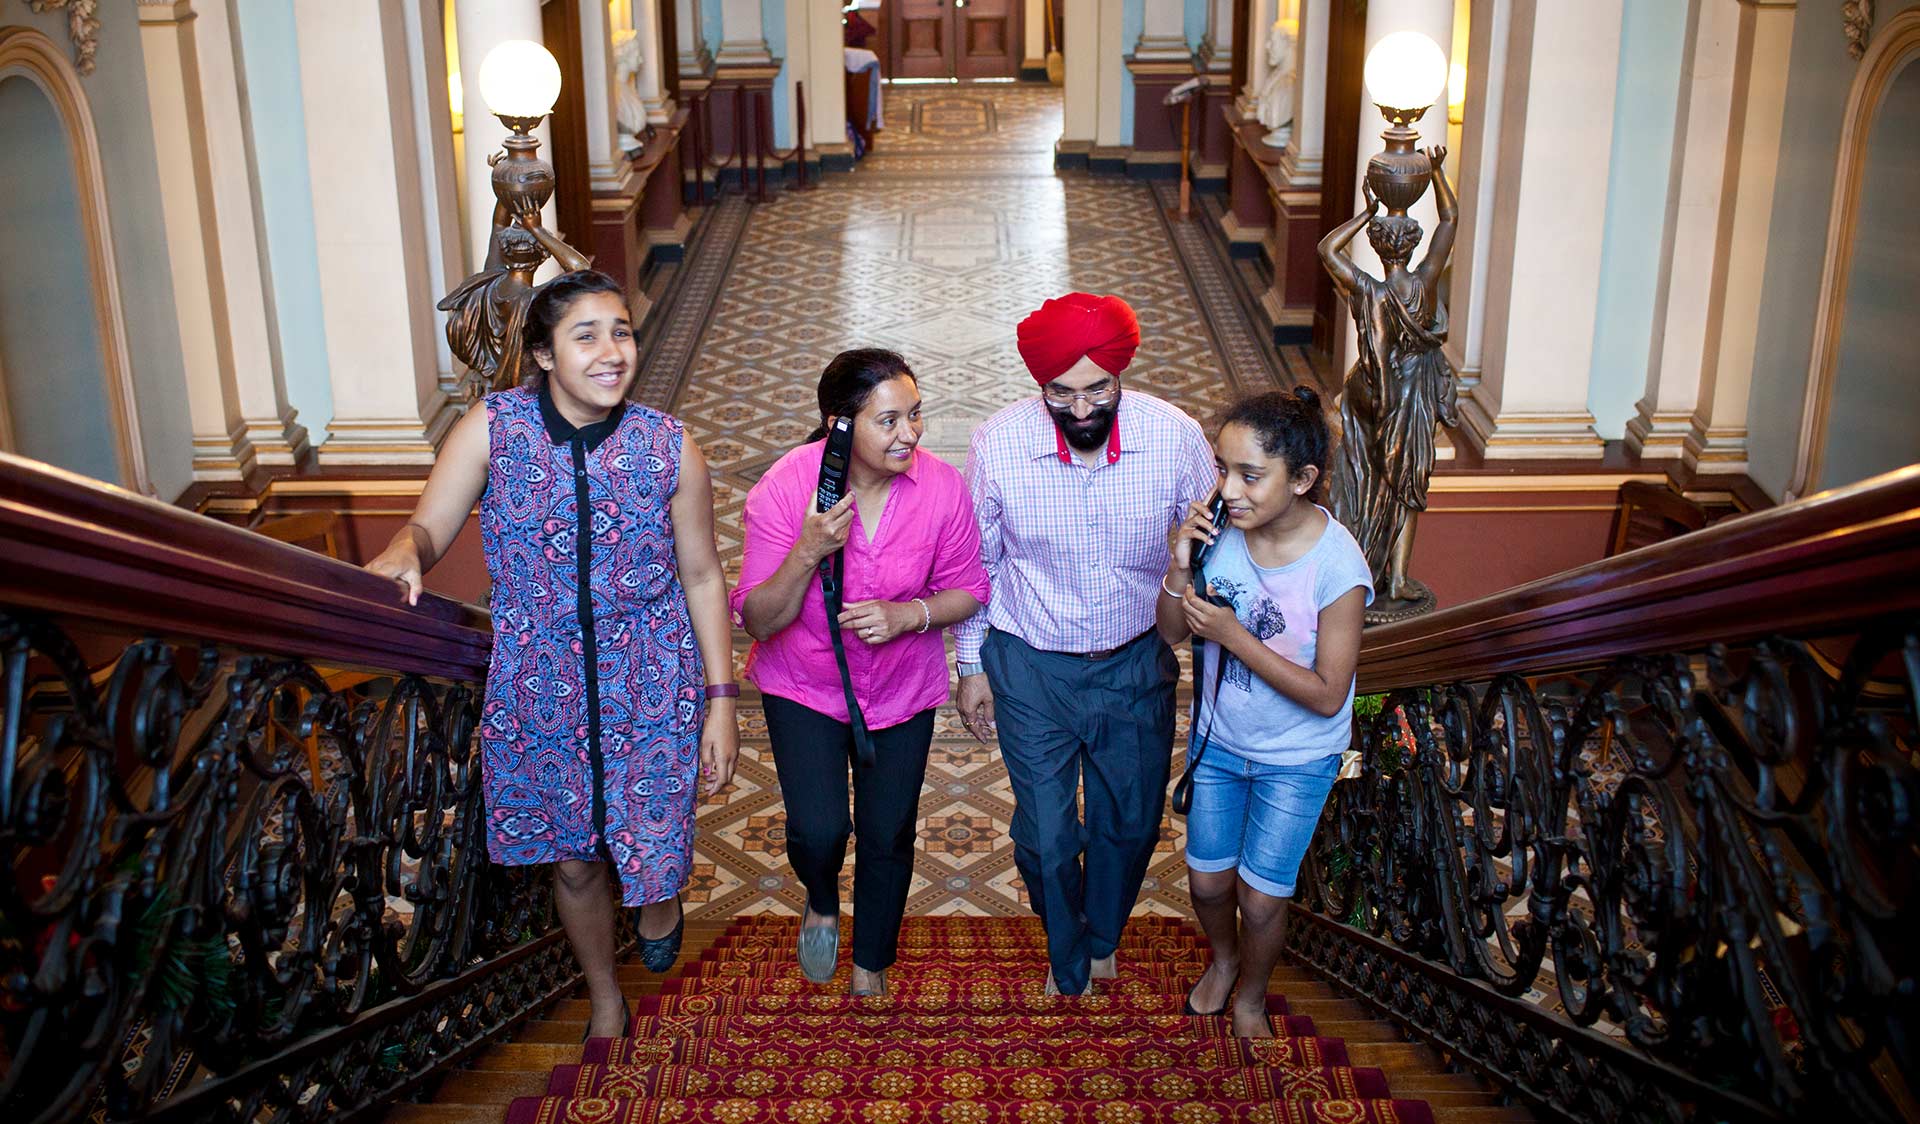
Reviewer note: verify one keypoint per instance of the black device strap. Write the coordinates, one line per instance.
(832, 590)
(1197, 735)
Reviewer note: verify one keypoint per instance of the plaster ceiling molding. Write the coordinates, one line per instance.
(83, 27)
(1858, 16)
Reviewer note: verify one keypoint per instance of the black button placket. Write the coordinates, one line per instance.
(589, 649)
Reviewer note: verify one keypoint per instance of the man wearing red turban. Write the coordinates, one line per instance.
(1065, 663)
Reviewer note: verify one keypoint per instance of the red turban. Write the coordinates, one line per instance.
(1078, 325)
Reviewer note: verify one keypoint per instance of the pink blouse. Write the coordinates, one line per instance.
(927, 541)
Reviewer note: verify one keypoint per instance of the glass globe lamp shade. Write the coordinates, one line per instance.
(519, 78)
(1405, 70)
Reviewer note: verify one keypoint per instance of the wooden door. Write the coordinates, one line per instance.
(988, 38)
(922, 38)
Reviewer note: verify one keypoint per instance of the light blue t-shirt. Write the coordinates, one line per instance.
(1280, 605)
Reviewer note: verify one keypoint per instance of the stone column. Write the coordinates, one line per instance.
(1080, 110)
(1719, 436)
(1215, 56)
(604, 157)
(1302, 160)
(1475, 180)
(695, 59)
(655, 57)
(236, 388)
(1690, 252)
(816, 55)
(744, 41)
(1260, 17)
(440, 174)
(1701, 368)
(1163, 33)
(481, 26)
(1034, 56)
(1543, 260)
(375, 287)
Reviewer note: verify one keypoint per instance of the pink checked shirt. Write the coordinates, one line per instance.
(1076, 553)
(927, 541)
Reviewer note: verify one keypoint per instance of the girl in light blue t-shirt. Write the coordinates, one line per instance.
(1281, 636)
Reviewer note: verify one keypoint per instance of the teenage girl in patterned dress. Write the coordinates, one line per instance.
(592, 508)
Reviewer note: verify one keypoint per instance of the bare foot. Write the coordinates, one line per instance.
(1105, 968)
(867, 983)
(609, 1018)
(1215, 986)
(1252, 1023)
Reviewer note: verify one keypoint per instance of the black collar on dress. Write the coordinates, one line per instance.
(561, 431)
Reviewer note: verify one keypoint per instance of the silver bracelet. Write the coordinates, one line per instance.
(928, 623)
(1169, 592)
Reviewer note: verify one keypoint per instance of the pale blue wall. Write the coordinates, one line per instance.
(1196, 27)
(1133, 20)
(271, 78)
(773, 20)
(49, 337)
(1645, 107)
(1873, 417)
(711, 28)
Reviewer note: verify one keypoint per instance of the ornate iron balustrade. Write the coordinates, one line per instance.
(1639, 841)
(240, 801)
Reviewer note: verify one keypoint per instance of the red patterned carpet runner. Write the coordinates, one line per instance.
(965, 1037)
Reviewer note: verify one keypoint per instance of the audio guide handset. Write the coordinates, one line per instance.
(1196, 565)
(832, 488)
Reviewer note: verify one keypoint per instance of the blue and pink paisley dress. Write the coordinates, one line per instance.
(575, 527)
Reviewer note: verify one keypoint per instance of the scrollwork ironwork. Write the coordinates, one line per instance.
(1699, 867)
(222, 860)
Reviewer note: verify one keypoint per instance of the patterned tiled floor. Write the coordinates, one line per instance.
(936, 245)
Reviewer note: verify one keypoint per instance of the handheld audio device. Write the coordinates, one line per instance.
(833, 465)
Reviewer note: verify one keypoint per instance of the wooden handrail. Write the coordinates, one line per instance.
(1839, 558)
(73, 546)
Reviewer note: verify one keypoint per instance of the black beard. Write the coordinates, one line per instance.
(1090, 433)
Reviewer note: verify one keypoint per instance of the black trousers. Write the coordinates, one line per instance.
(813, 754)
(1110, 721)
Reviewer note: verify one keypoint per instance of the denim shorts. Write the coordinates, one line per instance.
(1256, 817)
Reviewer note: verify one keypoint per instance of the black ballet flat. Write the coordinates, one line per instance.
(657, 954)
(1187, 1007)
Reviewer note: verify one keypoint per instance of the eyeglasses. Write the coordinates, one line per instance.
(1063, 399)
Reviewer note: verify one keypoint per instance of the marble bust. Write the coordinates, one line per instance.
(631, 112)
(1276, 91)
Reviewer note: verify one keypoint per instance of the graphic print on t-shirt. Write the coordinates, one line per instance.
(1265, 621)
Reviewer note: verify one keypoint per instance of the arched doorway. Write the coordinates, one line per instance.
(66, 394)
(1856, 419)
(1875, 396)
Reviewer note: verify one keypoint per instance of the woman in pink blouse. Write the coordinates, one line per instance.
(912, 565)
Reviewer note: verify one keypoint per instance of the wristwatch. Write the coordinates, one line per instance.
(966, 669)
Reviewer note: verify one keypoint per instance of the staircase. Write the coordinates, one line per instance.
(734, 1034)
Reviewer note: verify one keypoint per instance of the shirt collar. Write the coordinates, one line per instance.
(560, 430)
(1058, 447)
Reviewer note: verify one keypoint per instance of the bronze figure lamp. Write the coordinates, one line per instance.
(1405, 74)
(1401, 387)
(519, 80)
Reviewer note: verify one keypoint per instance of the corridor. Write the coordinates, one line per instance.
(936, 245)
